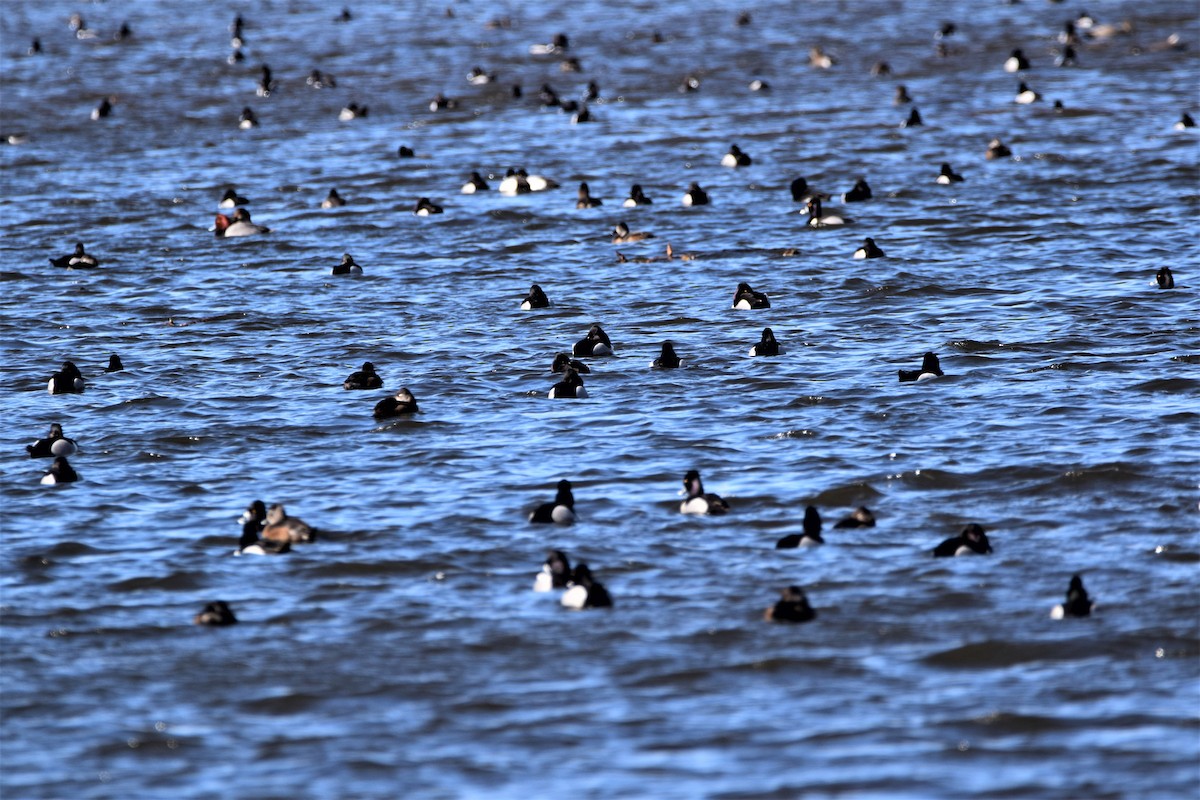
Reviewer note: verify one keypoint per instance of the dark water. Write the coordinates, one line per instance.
(404, 655)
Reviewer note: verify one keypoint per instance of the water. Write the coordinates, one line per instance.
(404, 654)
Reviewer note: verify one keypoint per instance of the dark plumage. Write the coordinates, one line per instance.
(535, 299)
(973, 539)
(402, 403)
(561, 510)
(365, 378)
(746, 298)
(667, 359)
(217, 613)
(861, 518)
(792, 607)
(930, 365)
(811, 535)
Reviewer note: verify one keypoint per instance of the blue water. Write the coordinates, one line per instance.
(404, 653)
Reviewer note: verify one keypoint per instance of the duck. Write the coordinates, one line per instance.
(253, 520)
(792, 606)
(695, 196)
(114, 364)
(759, 85)
(561, 510)
(690, 84)
(347, 267)
(584, 591)
(60, 471)
(266, 84)
(861, 517)
(913, 120)
(745, 298)
(563, 360)
(402, 403)
(365, 378)
(519, 181)
(475, 184)
(948, 176)
(622, 235)
(320, 80)
(1078, 603)
(478, 76)
(595, 343)
(697, 502)
(1164, 279)
(592, 92)
(217, 613)
(1016, 62)
(282, 528)
(548, 97)
(859, 192)
(333, 200)
(247, 119)
(670, 254)
(538, 183)
(554, 574)
(569, 388)
(636, 197)
(535, 299)
(440, 101)
(78, 259)
(869, 250)
(425, 207)
(667, 359)
(231, 199)
(811, 537)
(585, 198)
(735, 158)
(404, 151)
(102, 110)
(55, 444)
(801, 193)
(818, 219)
(559, 44)
(972, 541)
(239, 225)
(901, 97)
(997, 149)
(1185, 122)
(1025, 95)
(818, 58)
(767, 345)
(582, 115)
(352, 111)
(931, 367)
(1067, 58)
(68, 380)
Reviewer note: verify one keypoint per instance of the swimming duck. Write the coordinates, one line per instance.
(636, 197)
(475, 184)
(860, 518)
(231, 199)
(1016, 62)
(319, 80)
(558, 45)
(948, 176)
(548, 97)
(695, 196)
(585, 198)
(860, 191)
(690, 84)
(76, 260)
(68, 380)
(1066, 58)
(819, 58)
(555, 572)
(114, 364)
(402, 403)
(282, 528)
(767, 346)
(535, 299)
(352, 111)
(365, 378)
(901, 97)
(931, 367)
(425, 207)
(869, 250)
(240, 225)
(1078, 603)
(103, 110)
(404, 151)
(247, 119)
(1025, 95)
(521, 182)
(591, 93)
(758, 85)
(801, 193)
(914, 119)
(745, 298)
(478, 76)
(697, 501)
(216, 613)
(347, 267)
(622, 235)
(333, 200)
(60, 472)
(791, 607)
(1165, 279)
(997, 149)
(561, 510)
(55, 444)
(1185, 122)
(818, 219)
(266, 84)
(440, 101)
(812, 532)
(563, 360)
(667, 359)
(972, 540)
(595, 343)
(585, 591)
(582, 115)
(569, 388)
(735, 158)
(253, 520)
